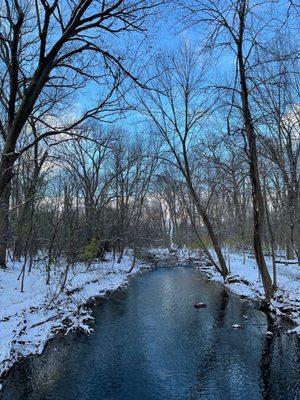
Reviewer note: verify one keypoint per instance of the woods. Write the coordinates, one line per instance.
(106, 148)
(149, 135)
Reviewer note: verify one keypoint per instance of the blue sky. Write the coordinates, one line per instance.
(166, 33)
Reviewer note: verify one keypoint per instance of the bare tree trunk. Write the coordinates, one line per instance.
(289, 223)
(288, 245)
(272, 240)
(121, 250)
(66, 272)
(293, 206)
(257, 197)
(133, 262)
(214, 239)
(4, 225)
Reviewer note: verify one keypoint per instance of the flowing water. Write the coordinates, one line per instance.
(150, 343)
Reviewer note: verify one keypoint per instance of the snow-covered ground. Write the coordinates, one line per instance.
(29, 319)
(287, 296)
(244, 279)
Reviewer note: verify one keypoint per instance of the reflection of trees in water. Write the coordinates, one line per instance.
(279, 365)
(118, 303)
(280, 355)
(60, 354)
(205, 369)
(40, 372)
(265, 364)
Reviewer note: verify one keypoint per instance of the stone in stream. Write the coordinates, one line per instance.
(200, 305)
(237, 326)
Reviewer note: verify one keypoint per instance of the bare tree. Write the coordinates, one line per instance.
(86, 161)
(133, 167)
(277, 100)
(48, 51)
(234, 25)
(178, 107)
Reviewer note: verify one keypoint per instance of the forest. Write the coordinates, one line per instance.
(134, 128)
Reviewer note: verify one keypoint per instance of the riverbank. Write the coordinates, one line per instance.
(244, 280)
(151, 343)
(29, 319)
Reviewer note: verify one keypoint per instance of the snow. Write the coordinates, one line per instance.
(246, 282)
(244, 279)
(29, 319)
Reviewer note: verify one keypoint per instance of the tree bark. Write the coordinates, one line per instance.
(4, 225)
(257, 197)
(213, 237)
(272, 239)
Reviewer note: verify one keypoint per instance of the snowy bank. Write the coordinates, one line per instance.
(29, 319)
(244, 280)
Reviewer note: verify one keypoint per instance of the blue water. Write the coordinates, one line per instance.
(150, 343)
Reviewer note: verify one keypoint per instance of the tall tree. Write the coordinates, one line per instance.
(238, 25)
(178, 107)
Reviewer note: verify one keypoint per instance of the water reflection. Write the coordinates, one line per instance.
(266, 361)
(207, 363)
(150, 343)
(279, 366)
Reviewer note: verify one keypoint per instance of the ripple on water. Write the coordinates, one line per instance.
(150, 343)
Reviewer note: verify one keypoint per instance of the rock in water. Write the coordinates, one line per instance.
(200, 305)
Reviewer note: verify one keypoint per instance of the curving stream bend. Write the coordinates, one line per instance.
(150, 343)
